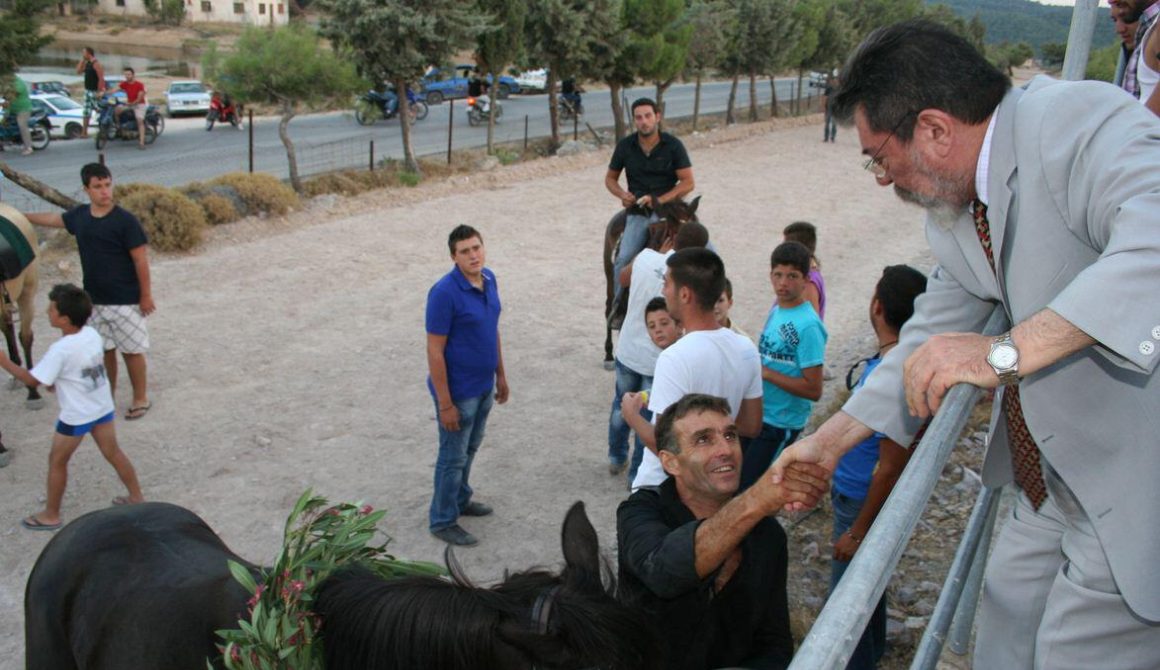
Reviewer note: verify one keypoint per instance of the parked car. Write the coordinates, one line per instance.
(48, 87)
(65, 115)
(440, 85)
(187, 97)
(533, 81)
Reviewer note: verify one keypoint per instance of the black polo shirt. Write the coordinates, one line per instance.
(745, 624)
(104, 244)
(654, 173)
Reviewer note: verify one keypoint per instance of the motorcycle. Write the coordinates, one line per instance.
(569, 106)
(37, 128)
(478, 109)
(221, 108)
(124, 127)
(373, 105)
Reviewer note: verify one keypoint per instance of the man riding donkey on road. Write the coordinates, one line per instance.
(658, 172)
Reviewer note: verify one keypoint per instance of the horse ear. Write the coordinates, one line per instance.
(581, 545)
(693, 205)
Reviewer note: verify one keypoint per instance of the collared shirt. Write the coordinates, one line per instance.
(1147, 18)
(745, 624)
(654, 173)
(983, 167)
(469, 317)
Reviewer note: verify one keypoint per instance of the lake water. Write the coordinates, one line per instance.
(59, 59)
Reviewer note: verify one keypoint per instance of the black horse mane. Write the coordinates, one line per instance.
(453, 624)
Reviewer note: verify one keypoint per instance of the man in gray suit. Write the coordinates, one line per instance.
(1044, 201)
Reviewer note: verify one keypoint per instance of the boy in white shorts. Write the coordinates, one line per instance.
(74, 368)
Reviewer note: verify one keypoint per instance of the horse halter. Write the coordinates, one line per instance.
(542, 609)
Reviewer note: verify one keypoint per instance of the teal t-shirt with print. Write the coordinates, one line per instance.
(794, 339)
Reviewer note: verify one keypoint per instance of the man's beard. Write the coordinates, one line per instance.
(950, 197)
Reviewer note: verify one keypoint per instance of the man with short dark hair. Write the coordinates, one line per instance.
(94, 74)
(465, 360)
(1042, 201)
(657, 170)
(135, 90)
(636, 353)
(1143, 13)
(707, 359)
(707, 565)
(114, 253)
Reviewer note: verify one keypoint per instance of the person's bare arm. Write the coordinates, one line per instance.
(892, 458)
(808, 386)
(685, 186)
(501, 385)
(948, 359)
(630, 406)
(612, 183)
(23, 376)
(437, 366)
(100, 70)
(46, 219)
(749, 417)
(718, 536)
(81, 65)
(140, 256)
(626, 275)
(810, 293)
(1153, 102)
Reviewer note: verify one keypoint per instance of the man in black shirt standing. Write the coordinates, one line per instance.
(708, 566)
(658, 171)
(94, 74)
(114, 255)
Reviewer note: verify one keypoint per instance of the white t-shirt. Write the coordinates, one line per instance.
(635, 349)
(75, 364)
(714, 362)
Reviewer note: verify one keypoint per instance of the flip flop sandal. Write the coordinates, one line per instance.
(135, 413)
(32, 523)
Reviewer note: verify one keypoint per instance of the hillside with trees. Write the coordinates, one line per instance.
(1027, 21)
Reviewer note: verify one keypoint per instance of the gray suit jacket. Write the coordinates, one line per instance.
(1074, 185)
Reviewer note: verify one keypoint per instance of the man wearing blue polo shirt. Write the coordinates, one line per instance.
(465, 360)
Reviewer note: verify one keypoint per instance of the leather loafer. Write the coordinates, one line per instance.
(476, 509)
(455, 535)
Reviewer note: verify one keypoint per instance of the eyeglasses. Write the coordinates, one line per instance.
(874, 163)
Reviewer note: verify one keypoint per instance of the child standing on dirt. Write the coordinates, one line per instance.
(74, 368)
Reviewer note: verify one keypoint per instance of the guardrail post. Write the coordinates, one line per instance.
(960, 635)
(100, 154)
(250, 120)
(372, 165)
(525, 132)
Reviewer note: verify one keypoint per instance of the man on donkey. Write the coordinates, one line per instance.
(658, 171)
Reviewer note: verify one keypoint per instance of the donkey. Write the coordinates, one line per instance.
(18, 282)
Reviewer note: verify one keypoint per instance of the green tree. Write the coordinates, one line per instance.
(611, 58)
(396, 40)
(766, 37)
(1101, 64)
(1051, 54)
(20, 39)
(166, 12)
(711, 22)
(499, 46)
(866, 15)
(258, 71)
(660, 36)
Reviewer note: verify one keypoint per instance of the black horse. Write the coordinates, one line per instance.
(146, 586)
(671, 216)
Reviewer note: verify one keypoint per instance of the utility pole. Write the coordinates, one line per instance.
(1079, 39)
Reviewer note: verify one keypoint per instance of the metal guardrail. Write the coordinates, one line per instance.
(836, 632)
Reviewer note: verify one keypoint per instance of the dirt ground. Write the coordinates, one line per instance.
(289, 353)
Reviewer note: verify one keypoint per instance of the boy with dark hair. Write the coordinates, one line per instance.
(73, 368)
(805, 233)
(721, 310)
(792, 346)
(867, 473)
(114, 253)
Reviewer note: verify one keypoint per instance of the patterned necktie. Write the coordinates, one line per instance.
(1024, 453)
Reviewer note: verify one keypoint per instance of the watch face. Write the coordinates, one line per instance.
(1003, 356)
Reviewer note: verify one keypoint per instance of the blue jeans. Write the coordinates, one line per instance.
(453, 466)
(632, 242)
(627, 381)
(757, 453)
(830, 129)
(873, 643)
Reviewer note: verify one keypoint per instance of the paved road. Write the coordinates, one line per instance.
(186, 152)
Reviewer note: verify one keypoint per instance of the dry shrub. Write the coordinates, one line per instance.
(344, 183)
(218, 209)
(260, 192)
(172, 221)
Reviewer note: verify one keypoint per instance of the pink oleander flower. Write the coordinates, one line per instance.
(365, 510)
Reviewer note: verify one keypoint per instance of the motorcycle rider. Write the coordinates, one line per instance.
(570, 92)
(478, 88)
(135, 90)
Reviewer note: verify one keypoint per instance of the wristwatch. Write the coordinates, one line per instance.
(1004, 359)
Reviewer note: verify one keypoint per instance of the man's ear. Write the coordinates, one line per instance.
(670, 462)
(934, 131)
(685, 295)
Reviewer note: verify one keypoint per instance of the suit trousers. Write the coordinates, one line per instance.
(1049, 599)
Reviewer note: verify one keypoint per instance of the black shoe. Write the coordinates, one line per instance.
(455, 535)
(616, 468)
(476, 509)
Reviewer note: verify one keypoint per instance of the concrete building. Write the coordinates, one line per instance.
(252, 12)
